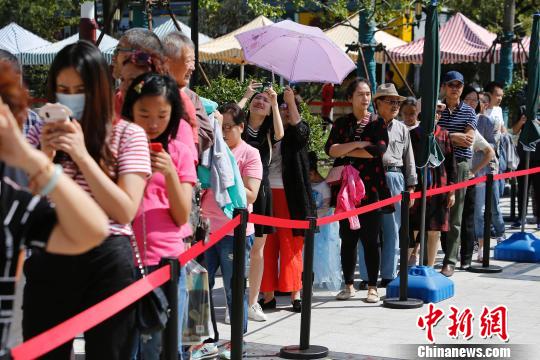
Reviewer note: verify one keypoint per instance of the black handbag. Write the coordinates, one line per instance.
(152, 310)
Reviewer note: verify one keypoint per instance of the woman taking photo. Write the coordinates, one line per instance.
(360, 141)
(292, 199)
(32, 224)
(112, 164)
(263, 127)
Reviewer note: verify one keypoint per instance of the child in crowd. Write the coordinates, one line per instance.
(327, 262)
(153, 102)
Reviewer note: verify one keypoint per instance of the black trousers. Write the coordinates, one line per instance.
(468, 235)
(370, 226)
(60, 286)
(534, 181)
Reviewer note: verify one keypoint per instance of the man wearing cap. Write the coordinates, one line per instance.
(400, 173)
(460, 121)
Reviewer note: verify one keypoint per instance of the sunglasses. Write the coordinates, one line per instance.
(119, 49)
(392, 102)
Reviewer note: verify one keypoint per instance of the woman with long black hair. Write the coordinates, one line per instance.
(112, 164)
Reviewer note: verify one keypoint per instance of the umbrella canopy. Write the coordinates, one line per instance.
(297, 52)
(461, 40)
(168, 27)
(430, 75)
(45, 54)
(342, 34)
(17, 39)
(226, 48)
(530, 134)
(520, 53)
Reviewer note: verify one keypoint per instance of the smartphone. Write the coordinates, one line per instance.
(266, 85)
(54, 113)
(156, 147)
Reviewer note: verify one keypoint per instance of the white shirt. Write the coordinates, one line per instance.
(275, 170)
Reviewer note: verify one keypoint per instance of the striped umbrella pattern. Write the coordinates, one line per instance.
(461, 41)
(45, 55)
(16, 39)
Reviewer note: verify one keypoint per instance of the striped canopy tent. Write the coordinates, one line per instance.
(461, 41)
(45, 55)
(17, 39)
(168, 27)
(342, 34)
(226, 48)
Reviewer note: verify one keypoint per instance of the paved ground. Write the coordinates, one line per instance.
(355, 329)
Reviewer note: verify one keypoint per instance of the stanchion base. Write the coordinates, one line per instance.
(491, 269)
(312, 352)
(395, 303)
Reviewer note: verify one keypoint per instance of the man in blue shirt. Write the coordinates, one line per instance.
(460, 121)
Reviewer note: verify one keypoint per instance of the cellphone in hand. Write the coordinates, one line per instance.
(54, 113)
(156, 147)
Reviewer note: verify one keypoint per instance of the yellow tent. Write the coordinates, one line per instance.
(342, 34)
(226, 48)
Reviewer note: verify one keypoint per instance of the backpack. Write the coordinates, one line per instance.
(508, 155)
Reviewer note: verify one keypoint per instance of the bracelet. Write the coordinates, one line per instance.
(51, 184)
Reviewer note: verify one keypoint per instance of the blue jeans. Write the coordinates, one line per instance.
(149, 347)
(221, 255)
(496, 215)
(390, 226)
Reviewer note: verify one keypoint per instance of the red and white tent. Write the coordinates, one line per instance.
(460, 39)
(518, 55)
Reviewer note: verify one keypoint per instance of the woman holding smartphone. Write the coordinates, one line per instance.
(112, 164)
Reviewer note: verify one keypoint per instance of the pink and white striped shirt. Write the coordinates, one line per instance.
(129, 145)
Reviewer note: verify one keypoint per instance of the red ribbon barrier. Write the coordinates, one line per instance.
(60, 334)
(278, 222)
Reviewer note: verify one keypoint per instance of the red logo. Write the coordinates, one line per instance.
(430, 320)
(462, 323)
(494, 322)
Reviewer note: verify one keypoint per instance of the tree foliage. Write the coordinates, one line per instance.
(45, 18)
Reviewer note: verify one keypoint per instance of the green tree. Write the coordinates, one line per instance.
(42, 17)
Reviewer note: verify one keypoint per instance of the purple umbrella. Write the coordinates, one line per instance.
(297, 52)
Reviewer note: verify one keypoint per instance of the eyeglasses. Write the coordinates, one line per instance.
(454, 85)
(392, 102)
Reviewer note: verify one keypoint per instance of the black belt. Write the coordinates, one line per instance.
(398, 169)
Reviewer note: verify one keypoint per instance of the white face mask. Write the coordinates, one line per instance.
(73, 101)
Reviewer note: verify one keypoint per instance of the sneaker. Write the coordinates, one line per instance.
(256, 313)
(372, 295)
(226, 352)
(267, 305)
(346, 294)
(205, 351)
(227, 316)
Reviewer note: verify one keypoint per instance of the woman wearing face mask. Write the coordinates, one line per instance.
(112, 164)
(263, 126)
(292, 199)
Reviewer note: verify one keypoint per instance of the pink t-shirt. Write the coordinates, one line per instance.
(163, 236)
(128, 144)
(250, 165)
(185, 135)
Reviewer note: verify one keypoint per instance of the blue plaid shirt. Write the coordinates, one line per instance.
(31, 120)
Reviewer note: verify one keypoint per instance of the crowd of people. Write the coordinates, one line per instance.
(144, 165)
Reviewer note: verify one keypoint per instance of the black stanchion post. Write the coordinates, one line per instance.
(403, 302)
(305, 350)
(170, 334)
(238, 285)
(513, 195)
(486, 268)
